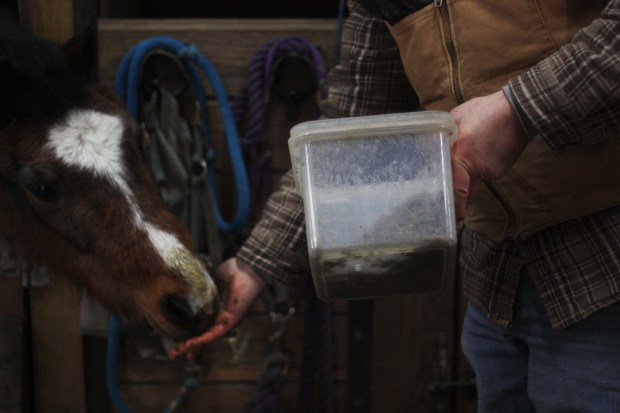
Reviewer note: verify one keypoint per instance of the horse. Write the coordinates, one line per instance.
(77, 197)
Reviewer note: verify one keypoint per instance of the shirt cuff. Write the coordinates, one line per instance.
(529, 129)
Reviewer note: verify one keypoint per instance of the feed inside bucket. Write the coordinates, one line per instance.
(378, 202)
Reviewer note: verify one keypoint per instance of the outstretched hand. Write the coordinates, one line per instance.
(239, 286)
(490, 140)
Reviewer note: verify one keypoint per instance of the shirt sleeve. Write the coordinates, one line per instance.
(369, 79)
(276, 248)
(573, 96)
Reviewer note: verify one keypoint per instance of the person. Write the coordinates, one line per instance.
(534, 89)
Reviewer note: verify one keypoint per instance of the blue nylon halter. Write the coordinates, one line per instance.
(127, 88)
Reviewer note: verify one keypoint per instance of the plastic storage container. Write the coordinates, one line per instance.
(378, 202)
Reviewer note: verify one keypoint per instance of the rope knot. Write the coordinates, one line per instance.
(189, 52)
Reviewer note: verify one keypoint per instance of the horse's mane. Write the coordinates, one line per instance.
(36, 82)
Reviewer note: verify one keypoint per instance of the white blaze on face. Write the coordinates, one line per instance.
(92, 141)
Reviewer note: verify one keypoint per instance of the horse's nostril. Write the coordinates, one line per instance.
(177, 310)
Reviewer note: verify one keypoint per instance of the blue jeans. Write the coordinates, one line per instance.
(529, 367)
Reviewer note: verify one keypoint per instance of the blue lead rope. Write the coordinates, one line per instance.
(114, 391)
(127, 88)
(114, 331)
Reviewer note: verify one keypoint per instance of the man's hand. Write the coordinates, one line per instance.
(489, 142)
(239, 286)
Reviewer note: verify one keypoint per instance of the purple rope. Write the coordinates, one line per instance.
(265, 398)
(251, 106)
(316, 382)
(295, 44)
(253, 100)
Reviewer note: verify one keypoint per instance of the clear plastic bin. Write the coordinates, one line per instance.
(378, 202)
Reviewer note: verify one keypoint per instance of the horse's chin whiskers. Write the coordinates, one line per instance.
(155, 324)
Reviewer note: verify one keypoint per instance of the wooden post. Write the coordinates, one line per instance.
(57, 349)
(58, 366)
(52, 19)
(11, 343)
(411, 348)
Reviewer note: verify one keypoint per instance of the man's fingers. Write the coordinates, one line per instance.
(191, 344)
(223, 325)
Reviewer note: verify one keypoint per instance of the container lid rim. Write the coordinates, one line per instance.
(411, 120)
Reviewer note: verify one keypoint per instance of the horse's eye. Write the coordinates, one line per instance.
(45, 191)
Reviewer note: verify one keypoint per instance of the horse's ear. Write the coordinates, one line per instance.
(10, 31)
(6, 86)
(80, 54)
(35, 80)
(7, 23)
(4, 65)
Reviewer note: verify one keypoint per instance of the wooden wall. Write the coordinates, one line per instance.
(229, 44)
(11, 345)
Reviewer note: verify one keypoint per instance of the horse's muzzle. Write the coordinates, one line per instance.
(178, 311)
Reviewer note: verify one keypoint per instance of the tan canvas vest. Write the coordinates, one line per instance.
(459, 49)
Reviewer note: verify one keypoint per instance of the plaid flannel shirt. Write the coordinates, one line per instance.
(570, 98)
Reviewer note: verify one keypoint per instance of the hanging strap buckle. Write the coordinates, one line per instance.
(191, 380)
(279, 320)
(277, 360)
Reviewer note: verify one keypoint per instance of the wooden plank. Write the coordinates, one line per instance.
(220, 397)
(278, 128)
(97, 397)
(58, 20)
(149, 383)
(11, 301)
(219, 363)
(228, 43)
(411, 348)
(11, 344)
(57, 349)
(360, 356)
(52, 19)
(11, 330)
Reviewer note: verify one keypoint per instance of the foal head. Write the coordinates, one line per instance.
(77, 197)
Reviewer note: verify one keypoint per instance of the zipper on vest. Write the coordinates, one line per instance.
(511, 215)
(442, 6)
